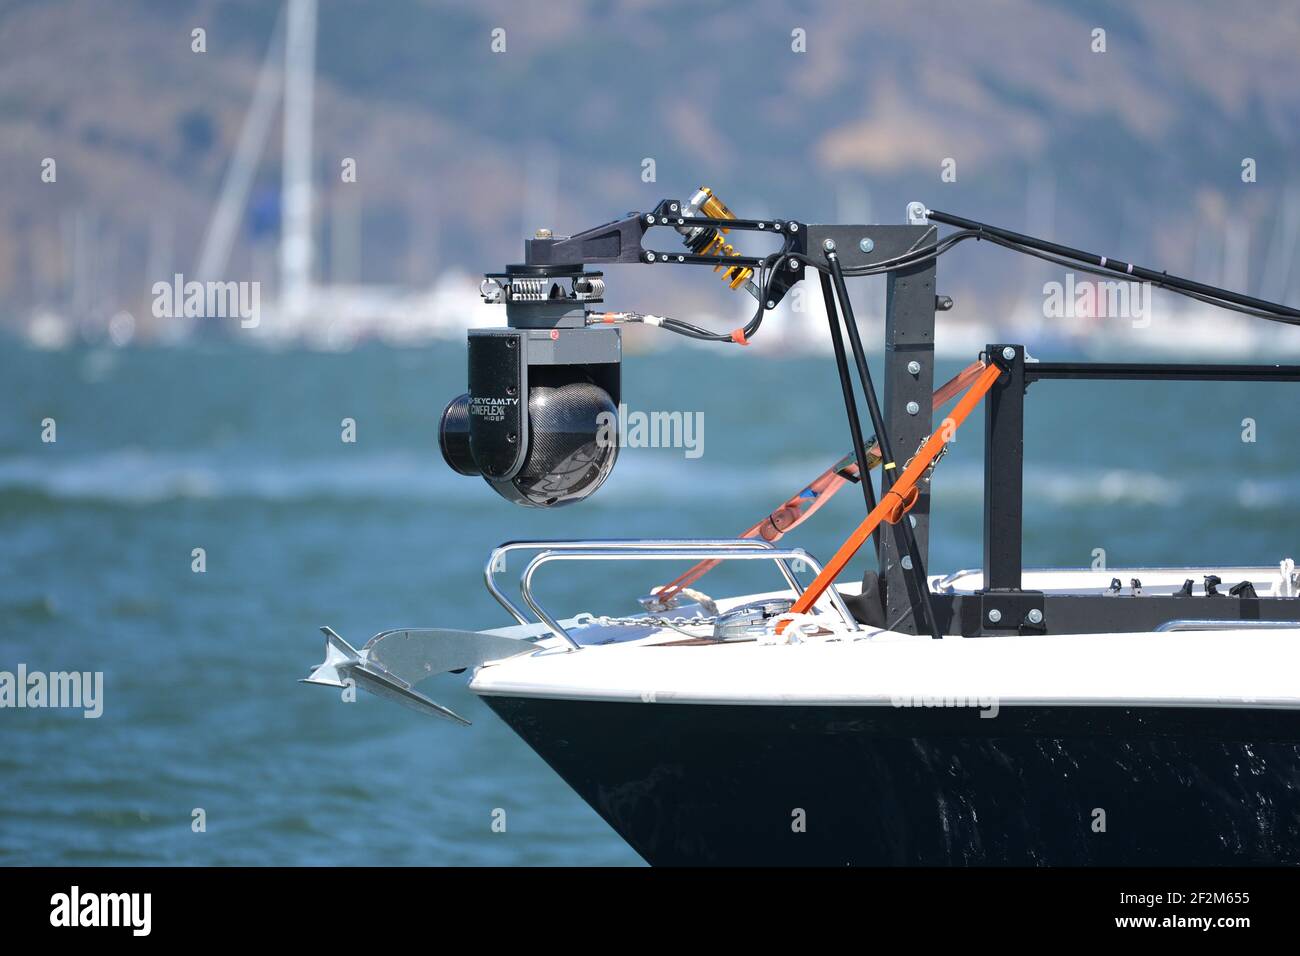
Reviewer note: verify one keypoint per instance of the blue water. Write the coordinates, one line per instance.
(238, 452)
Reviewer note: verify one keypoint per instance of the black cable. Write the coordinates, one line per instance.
(850, 405)
(764, 287)
(1026, 245)
(1108, 274)
(1224, 298)
(915, 567)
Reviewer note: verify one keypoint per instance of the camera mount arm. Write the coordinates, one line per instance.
(623, 241)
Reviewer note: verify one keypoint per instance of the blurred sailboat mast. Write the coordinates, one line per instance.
(296, 195)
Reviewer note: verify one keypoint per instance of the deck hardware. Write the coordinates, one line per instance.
(663, 553)
(1243, 590)
(496, 561)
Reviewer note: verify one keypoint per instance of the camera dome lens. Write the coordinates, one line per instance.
(573, 444)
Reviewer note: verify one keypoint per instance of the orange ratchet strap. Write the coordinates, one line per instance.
(900, 498)
(803, 505)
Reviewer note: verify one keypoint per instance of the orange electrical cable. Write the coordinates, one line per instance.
(900, 498)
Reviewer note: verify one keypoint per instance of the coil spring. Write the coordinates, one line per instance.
(589, 289)
(528, 290)
(709, 241)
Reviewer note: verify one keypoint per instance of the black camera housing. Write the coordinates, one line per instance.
(543, 393)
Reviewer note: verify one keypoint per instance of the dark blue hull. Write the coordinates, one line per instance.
(881, 786)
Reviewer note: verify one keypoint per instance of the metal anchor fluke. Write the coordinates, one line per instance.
(393, 662)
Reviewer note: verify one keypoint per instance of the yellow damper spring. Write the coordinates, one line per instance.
(715, 208)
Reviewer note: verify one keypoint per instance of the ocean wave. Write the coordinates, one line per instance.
(141, 478)
(138, 477)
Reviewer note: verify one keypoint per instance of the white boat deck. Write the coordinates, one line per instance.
(1231, 667)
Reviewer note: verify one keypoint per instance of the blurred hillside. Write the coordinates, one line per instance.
(1136, 151)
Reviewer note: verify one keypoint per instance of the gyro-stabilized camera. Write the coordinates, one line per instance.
(543, 392)
(539, 422)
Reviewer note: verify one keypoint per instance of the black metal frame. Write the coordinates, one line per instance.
(906, 419)
(1003, 517)
(911, 304)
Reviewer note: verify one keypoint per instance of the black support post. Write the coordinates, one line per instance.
(912, 563)
(1004, 456)
(909, 338)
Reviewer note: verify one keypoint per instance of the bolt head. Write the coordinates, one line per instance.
(1035, 616)
(829, 245)
(914, 367)
(994, 615)
(1009, 353)
(906, 562)
(771, 304)
(865, 244)
(913, 408)
(542, 234)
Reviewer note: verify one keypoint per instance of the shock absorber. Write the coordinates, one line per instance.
(711, 240)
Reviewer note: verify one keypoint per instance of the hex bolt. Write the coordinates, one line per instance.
(994, 615)
(914, 367)
(829, 245)
(906, 562)
(1009, 353)
(866, 244)
(1035, 616)
(913, 408)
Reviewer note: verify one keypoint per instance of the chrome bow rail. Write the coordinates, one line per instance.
(1196, 624)
(642, 549)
